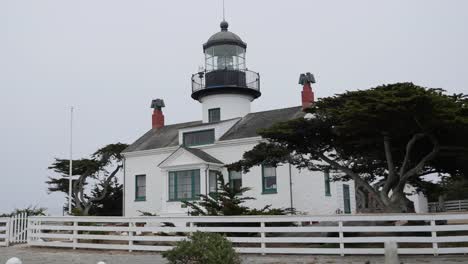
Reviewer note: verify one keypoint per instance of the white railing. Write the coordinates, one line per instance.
(4, 231)
(343, 234)
(449, 206)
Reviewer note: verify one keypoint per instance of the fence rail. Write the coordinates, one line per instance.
(356, 234)
(4, 231)
(449, 206)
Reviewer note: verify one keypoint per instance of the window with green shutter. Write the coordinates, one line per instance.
(235, 180)
(269, 179)
(326, 175)
(184, 185)
(214, 115)
(196, 138)
(140, 187)
(212, 182)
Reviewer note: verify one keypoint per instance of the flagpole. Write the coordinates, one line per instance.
(70, 182)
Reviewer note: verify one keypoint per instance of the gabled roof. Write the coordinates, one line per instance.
(251, 123)
(168, 136)
(181, 151)
(203, 155)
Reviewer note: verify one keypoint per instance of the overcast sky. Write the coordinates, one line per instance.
(109, 58)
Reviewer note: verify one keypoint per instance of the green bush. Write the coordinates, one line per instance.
(203, 248)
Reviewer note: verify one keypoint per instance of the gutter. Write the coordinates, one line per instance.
(290, 187)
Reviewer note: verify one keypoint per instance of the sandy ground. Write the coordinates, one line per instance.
(31, 255)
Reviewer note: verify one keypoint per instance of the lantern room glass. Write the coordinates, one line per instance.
(225, 57)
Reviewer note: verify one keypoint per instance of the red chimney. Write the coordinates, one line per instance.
(158, 116)
(307, 94)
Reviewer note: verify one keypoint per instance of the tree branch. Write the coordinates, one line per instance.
(355, 177)
(392, 178)
(106, 185)
(404, 178)
(409, 147)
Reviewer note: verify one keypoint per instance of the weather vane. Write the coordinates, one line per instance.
(224, 11)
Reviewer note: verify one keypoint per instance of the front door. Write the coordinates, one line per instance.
(346, 199)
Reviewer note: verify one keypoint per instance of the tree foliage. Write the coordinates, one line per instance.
(229, 201)
(102, 166)
(382, 138)
(30, 211)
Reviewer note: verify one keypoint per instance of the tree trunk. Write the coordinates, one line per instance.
(399, 203)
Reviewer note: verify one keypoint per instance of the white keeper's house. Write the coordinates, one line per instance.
(177, 162)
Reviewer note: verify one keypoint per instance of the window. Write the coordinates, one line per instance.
(326, 175)
(212, 182)
(269, 179)
(196, 138)
(235, 180)
(346, 199)
(214, 115)
(184, 185)
(140, 188)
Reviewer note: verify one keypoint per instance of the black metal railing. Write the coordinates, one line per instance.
(225, 78)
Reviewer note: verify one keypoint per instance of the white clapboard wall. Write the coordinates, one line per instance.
(338, 234)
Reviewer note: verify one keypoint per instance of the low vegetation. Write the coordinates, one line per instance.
(203, 248)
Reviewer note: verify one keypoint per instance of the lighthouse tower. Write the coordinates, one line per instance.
(225, 88)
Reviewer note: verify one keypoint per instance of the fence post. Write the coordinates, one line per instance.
(435, 246)
(130, 235)
(391, 252)
(191, 225)
(23, 227)
(341, 236)
(7, 232)
(263, 236)
(29, 232)
(75, 233)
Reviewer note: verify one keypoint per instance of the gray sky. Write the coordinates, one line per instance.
(109, 58)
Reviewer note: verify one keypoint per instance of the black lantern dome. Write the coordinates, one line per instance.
(225, 69)
(224, 37)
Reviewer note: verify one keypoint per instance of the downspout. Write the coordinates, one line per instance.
(206, 179)
(124, 187)
(290, 187)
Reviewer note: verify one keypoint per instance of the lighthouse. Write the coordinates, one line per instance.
(225, 88)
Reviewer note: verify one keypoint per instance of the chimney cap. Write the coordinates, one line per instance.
(157, 104)
(306, 78)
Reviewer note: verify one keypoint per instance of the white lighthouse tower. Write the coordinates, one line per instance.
(225, 88)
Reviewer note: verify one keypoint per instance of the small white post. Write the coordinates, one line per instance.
(391, 253)
(435, 246)
(191, 225)
(341, 236)
(263, 236)
(75, 234)
(14, 261)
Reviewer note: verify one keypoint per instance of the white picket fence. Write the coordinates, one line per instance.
(4, 231)
(18, 228)
(338, 234)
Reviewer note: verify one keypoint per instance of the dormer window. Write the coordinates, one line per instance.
(214, 115)
(201, 137)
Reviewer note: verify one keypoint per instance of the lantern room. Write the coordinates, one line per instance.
(225, 76)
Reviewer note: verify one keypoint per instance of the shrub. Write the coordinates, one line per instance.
(203, 248)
